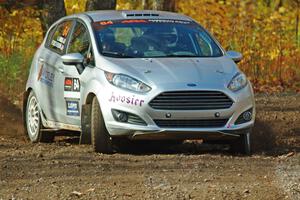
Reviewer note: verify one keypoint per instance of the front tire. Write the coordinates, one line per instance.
(101, 140)
(34, 123)
(242, 144)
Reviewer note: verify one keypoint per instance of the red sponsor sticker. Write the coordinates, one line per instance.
(104, 23)
(40, 72)
(134, 21)
(68, 81)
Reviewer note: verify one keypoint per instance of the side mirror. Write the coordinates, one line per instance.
(72, 59)
(235, 56)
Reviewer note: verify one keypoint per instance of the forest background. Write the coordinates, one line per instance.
(266, 32)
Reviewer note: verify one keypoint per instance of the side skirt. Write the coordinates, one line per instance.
(58, 126)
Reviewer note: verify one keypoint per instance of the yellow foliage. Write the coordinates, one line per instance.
(266, 36)
(74, 6)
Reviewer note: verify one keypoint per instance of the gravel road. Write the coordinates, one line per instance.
(66, 170)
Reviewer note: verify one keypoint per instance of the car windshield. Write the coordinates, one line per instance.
(142, 38)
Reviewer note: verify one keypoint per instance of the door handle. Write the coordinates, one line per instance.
(41, 60)
(61, 70)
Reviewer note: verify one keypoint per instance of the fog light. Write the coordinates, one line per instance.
(120, 116)
(126, 117)
(247, 116)
(244, 117)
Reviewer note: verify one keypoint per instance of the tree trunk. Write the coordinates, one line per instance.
(52, 10)
(146, 4)
(280, 4)
(169, 5)
(100, 5)
(297, 23)
(268, 3)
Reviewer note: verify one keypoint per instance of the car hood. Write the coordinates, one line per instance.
(214, 72)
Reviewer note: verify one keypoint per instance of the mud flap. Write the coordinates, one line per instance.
(85, 135)
(24, 100)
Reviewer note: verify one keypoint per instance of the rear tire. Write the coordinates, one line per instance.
(101, 141)
(242, 144)
(33, 122)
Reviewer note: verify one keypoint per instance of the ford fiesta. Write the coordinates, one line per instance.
(140, 75)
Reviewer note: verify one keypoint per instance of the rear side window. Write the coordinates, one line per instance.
(58, 41)
(49, 36)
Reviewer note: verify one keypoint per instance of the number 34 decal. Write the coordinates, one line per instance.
(72, 88)
(72, 84)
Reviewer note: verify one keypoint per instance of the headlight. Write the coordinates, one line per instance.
(238, 82)
(127, 82)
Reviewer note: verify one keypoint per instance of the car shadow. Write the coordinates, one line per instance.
(264, 142)
(67, 137)
(150, 147)
(189, 147)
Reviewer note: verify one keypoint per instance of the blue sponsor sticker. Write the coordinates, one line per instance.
(72, 108)
(45, 76)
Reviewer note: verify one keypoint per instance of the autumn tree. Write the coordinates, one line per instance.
(100, 5)
(296, 4)
(50, 10)
(169, 5)
(166, 5)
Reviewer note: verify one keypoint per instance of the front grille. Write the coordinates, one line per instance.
(191, 100)
(197, 123)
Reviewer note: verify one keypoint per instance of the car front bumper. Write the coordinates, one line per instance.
(138, 105)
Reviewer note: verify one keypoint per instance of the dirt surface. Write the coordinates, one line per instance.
(66, 170)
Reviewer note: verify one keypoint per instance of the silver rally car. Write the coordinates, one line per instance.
(139, 75)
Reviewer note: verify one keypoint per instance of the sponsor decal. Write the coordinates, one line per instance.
(68, 84)
(101, 24)
(72, 88)
(191, 84)
(104, 23)
(134, 21)
(61, 39)
(40, 72)
(58, 45)
(66, 29)
(169, 21)
(76, 85)
(72, 84)
(126, 100)
(72, 108)
(46, 77)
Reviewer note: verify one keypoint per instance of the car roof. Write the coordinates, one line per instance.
(134, 14)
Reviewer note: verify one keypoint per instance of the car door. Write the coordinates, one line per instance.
(70, 82)
(49, 68)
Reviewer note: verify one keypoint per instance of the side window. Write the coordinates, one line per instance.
(60, 36)
(80, 43)
(49, 36)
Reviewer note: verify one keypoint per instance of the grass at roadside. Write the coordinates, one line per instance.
(13, 74)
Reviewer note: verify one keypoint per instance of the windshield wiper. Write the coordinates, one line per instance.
(115, 54)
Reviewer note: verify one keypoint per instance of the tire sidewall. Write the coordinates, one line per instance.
(100, 137)
(242, 145)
